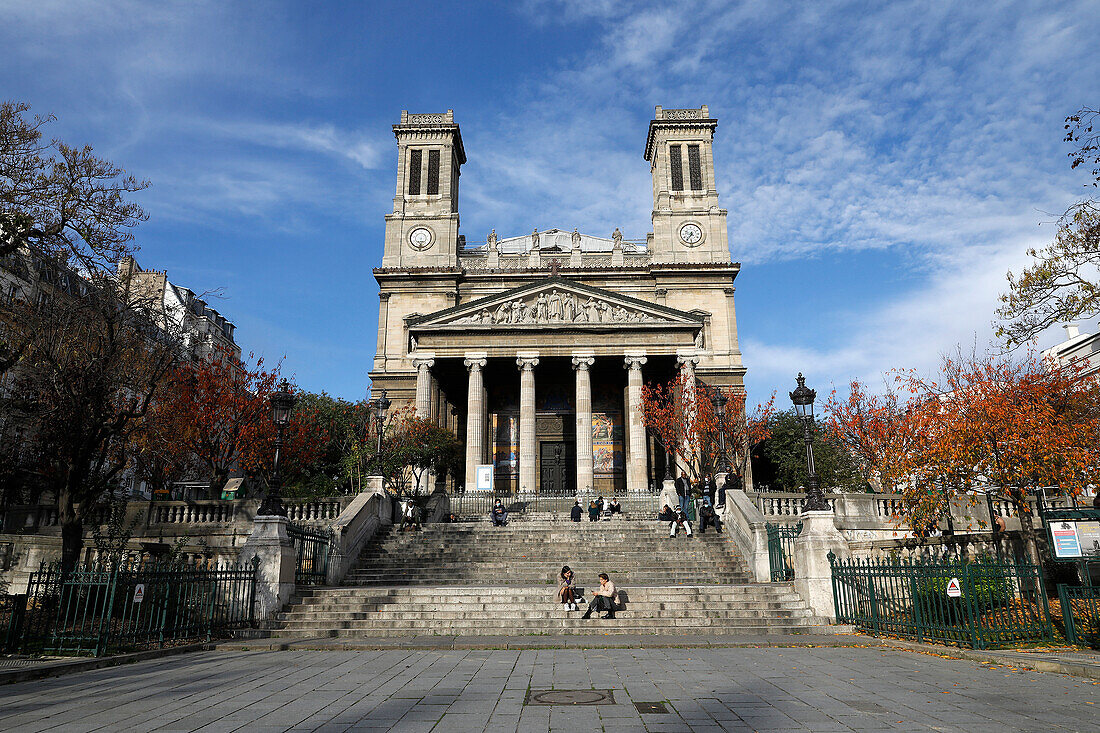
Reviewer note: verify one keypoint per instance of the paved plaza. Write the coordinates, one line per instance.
(818, 689)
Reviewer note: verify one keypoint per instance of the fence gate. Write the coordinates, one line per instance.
(781, 550)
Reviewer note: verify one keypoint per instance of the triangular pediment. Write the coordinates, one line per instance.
(556, 302)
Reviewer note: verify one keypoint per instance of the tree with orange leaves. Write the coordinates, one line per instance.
(876, 430)
(994, 422)
(217, 410)
(684, 419)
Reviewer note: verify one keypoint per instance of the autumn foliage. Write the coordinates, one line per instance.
(986, 423)
(683, 420)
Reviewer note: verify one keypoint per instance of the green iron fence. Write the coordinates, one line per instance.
(1081, 614)
(311, 548)
(996, 603)
(100, 609)
(12, 608)
(781, 550)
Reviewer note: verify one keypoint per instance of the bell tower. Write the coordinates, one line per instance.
(688, 225)
(422, 231)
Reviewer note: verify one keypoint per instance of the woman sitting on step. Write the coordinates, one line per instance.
(566, 590)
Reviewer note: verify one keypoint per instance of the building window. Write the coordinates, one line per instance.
(433, 172)
(694, 169)
(677, 167)
(414, 172)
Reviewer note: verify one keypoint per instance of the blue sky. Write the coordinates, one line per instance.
(883, 164)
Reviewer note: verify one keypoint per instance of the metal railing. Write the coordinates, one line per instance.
(100, 609)
(477, 504)
(1080, 607)
(12, 608)
(311, 551)
(980, 604)
(781, 550)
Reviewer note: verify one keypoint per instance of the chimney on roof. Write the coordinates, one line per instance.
(1072, 331)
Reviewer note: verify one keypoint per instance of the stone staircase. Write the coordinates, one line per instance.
(472, 579)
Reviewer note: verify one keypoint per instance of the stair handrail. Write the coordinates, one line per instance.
(368, 512)
(746, 524)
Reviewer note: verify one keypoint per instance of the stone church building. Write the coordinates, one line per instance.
(534, 348)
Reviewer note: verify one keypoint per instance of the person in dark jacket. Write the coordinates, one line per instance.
(593, 511)
(683, 488)
(710, 488)
(498, 515)
(708, 517)
(576, 512)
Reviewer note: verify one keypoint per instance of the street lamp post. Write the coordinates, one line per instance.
(379, 405)
(282, 403)
(803, 399)
(718, 399)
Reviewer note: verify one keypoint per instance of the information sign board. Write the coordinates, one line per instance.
(1066, 542)
(1088, 534)
(484, 478)
(139, 592)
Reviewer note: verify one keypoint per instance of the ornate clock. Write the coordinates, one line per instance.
(421, 238)
(691, 234)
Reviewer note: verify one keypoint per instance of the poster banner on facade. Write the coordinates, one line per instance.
(506, 444)
(607, 442)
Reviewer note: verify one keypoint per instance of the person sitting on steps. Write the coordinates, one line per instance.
(680, 520)
(708, 517)
(604, 598)
(498, 514)
(566, 590)
(576, 511)
(615, 507)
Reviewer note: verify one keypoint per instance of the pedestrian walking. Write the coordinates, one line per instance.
(593, 511)
(576, 512)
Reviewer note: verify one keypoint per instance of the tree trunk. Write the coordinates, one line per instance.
(217, 483)
(72, 532)
(1027, 529)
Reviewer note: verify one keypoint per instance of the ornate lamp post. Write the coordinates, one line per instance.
(379, 405)
(282, 403)
(718, 398)
(803, 399)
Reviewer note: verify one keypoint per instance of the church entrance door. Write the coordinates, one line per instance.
(556, 467)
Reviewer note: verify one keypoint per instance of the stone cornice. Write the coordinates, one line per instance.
(708, 123)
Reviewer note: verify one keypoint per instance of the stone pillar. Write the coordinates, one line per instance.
(581, 363)
(423, 366)
(813, 576)
(527, 361)
(269, 547)
(635, 456)
(383, 328)
(475, 430)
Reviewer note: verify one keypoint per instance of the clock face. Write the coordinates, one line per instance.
(420, 238)
(691, 234)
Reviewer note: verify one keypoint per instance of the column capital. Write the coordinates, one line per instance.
(527, 363)
(687, 360)
(474, 363)
(583, 361)
(423, 361)
(634, 361)
(384, 296)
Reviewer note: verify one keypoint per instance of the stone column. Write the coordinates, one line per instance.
(527, 361)
(475, 430)
(581, 363)
(383, 327)
(271, 551)
(423, 366)
(635, 456)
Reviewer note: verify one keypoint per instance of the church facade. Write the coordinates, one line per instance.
(534, 348)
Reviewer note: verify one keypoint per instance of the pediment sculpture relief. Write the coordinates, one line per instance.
(557, 307)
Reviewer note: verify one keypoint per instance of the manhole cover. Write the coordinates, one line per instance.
(651, 707)
(570, 697)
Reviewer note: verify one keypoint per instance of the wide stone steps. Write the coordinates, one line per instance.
(473, 579)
